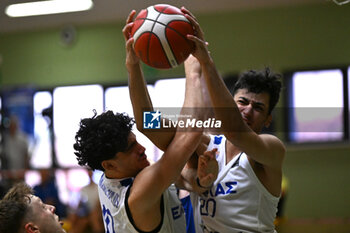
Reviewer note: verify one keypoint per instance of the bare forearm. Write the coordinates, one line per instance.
(141, 102)
(220, 96)
(188, 181)
(224, 105)
(138, 93)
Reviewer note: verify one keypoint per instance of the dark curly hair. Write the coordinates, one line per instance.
(101, 137)
(259, 82)
(14, 208)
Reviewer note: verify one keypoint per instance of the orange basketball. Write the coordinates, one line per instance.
(160, 36)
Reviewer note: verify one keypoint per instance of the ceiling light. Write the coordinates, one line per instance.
(47, 7)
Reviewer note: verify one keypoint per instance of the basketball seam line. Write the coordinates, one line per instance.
(149, 39)
(168, 27)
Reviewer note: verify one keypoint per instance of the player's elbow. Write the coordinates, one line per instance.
(278, 154)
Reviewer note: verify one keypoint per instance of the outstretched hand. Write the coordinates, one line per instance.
(208, 168)
(131, 58)
(201, 46)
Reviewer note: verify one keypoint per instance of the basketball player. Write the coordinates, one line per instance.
(244, 197)
(134, 195)
(141, 102)
(21, 211)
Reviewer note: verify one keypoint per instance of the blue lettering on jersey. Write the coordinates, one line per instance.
(208, 204)
(224, 189)
(230, 187)
(207, 207)
(177, 211)
(219, 190)
(217, 140)
(110, 194)
(108, 219)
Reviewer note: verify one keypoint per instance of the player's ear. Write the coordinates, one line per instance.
(31, 228)
(268, 121)
(109, 165)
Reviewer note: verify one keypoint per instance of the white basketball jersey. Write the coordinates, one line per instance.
(113, 194)
(237, 202)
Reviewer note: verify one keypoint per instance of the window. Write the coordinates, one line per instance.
(347, 113)
(169, 96)
(42, 150)
(167, 93)
(315, 106)
(71, 104)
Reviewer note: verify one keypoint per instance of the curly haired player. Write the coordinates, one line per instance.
(136, 196)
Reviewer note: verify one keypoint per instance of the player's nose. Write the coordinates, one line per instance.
(247, 110)
(141, 148)
(51, 208)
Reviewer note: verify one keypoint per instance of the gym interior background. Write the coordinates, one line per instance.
(311, 36)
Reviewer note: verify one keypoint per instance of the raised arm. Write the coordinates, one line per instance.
(202, 164)
(152, 181)
(265, 149)
(139, 95)
(141, 101)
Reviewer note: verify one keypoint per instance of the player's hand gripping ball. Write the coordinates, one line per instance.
(160, 36)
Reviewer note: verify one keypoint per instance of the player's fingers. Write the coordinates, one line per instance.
(184, 10)
(209, 177)
(208, 157)
(202, 165)
(207, 180)
(129, 43)
(211, 154)
(127, 30)
(202, 161)
(196, 40)
(214, 150)
(198, 30)
(130, 17)
(193, 21)
(201, 174)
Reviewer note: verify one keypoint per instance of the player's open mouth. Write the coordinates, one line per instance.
(143, 156)
(58, 220)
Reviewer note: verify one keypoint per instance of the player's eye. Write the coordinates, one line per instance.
(259, 108)
(242, 102)
(131, 146)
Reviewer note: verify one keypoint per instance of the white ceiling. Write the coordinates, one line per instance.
(117, 10)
